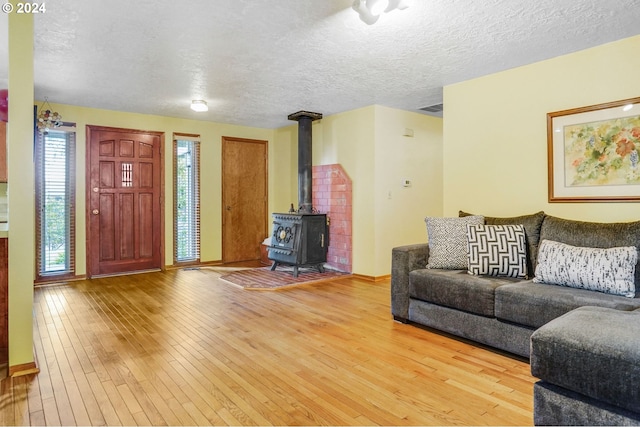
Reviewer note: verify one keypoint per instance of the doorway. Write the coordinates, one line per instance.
(124, 193)
(244, 198)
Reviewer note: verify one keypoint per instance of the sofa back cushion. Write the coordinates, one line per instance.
(532, 224)
(593, 235)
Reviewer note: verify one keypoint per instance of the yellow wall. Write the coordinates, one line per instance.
(21, 190)
(370, 146)
(495, 143)
(399, 210)
(211, 168)
(285, 169)
(349, 139)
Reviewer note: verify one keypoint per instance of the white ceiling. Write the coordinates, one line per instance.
(256, 61)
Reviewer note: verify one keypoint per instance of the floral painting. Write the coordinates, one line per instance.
(593, 153)
(603, 152)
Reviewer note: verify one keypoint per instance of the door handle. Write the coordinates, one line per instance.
(228, 208)
(95, 211)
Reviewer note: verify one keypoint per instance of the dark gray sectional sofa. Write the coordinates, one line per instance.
(584, 345)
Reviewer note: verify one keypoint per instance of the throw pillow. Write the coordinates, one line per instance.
(605, 270)
(448, 241)
(497, 250)
(592, 234)
(532, 225)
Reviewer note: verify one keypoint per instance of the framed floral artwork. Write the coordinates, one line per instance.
(593, 153)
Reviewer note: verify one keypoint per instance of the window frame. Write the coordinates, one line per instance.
(195, 176)
(70, 183)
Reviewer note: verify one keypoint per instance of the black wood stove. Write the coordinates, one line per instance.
(301, 239)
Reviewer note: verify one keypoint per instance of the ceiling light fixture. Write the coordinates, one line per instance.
(627, 107)
(199, 105)
(371, 10)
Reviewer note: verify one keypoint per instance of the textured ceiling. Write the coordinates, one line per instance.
(256, 61)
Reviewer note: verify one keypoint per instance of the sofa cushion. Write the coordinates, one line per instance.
(557, 406)
(497, 250)
(534, 304)
(456, 289)
(592, 234)
(532, 225)
(592, 351)
(448, 241)
(609, 270)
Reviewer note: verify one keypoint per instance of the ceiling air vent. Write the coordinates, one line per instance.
(433, 110)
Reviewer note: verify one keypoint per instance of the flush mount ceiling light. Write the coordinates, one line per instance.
(370, 10)
(199, 105)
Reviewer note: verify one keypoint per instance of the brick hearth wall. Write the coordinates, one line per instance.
(332, 195)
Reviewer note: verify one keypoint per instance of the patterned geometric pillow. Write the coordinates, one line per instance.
(448, 241)
(532, 224)
(497, 250)
(603, 270)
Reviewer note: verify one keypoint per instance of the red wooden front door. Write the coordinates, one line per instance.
(124, 214)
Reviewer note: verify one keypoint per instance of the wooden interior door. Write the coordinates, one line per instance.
(244, 198)
(124, 212)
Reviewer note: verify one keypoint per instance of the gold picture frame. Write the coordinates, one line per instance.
(594, 153)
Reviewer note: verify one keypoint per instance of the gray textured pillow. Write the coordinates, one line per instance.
(604, 270)
(592, 234)
(448, 241)
(497, 250)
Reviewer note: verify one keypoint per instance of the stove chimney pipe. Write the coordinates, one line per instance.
(305, 151)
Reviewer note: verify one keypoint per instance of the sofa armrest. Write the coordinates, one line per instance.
(405, 259)
(593, 351)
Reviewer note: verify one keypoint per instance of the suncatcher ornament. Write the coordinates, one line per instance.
(47, 118)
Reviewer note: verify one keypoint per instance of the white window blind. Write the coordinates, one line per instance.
(186, 198)
(55, 203)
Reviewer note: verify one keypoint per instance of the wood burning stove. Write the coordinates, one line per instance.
(301, 238)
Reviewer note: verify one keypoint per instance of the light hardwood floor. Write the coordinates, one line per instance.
(183, 348)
